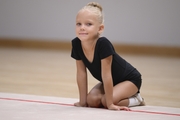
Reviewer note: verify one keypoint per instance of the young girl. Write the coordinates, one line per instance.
(119, 83)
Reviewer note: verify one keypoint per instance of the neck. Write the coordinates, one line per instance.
(89, 45)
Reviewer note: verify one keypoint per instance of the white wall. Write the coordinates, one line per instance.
(146, 22)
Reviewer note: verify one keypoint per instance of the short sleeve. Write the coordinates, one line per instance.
(74, 51)
(105, 48)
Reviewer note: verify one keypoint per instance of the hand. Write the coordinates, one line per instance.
(77, 104)
(124, 108)
(115, 107)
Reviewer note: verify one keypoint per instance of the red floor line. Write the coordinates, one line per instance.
(64, 104)
(36, 101)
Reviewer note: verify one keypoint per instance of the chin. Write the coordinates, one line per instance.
(83, 38)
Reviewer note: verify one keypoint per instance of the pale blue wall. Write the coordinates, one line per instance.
(146, 22)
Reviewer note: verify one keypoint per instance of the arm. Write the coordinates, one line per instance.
(107, 80)
(82, 83)
(108, 84)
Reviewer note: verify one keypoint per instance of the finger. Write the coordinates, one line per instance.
(125, 108)
(76, 104)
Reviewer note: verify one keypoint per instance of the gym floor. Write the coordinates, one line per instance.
(41, 84)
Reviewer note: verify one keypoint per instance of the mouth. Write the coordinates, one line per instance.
(83, 33)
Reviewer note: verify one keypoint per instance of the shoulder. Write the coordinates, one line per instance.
(103, 41)
(76, 39)
(76, 47)
(104, 47)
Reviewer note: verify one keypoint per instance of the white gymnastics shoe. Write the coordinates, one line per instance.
(136, 100)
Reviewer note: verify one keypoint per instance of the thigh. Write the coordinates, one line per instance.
(124, 90)
(97, 90)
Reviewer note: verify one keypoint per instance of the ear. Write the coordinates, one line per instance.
(101, 28)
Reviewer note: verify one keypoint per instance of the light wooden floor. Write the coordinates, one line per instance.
(52, 73)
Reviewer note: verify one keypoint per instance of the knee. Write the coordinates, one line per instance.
(94, 100)
(103, 101)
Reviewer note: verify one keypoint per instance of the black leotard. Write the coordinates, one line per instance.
(121, 69)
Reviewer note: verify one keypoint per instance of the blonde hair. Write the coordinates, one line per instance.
(96, 9)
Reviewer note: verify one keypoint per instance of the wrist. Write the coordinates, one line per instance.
(83, 102)
(109, 105)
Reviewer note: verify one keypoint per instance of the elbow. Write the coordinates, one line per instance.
(106, 78)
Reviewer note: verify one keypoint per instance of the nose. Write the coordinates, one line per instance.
(82, 27)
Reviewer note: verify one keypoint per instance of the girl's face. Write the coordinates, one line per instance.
(87, 26)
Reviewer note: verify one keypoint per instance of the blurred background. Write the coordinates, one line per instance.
(145, 32)
(144, 22)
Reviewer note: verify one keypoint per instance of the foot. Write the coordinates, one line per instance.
(140, 99)
(136, 100)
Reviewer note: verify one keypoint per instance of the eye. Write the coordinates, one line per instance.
(89, 24)
(78, 24)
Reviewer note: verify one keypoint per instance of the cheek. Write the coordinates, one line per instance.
(76, 29)
(95, 30)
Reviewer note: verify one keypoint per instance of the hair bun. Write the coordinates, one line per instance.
(94, 4)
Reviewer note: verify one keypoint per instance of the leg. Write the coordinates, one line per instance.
(95, 95)
(121, 93)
